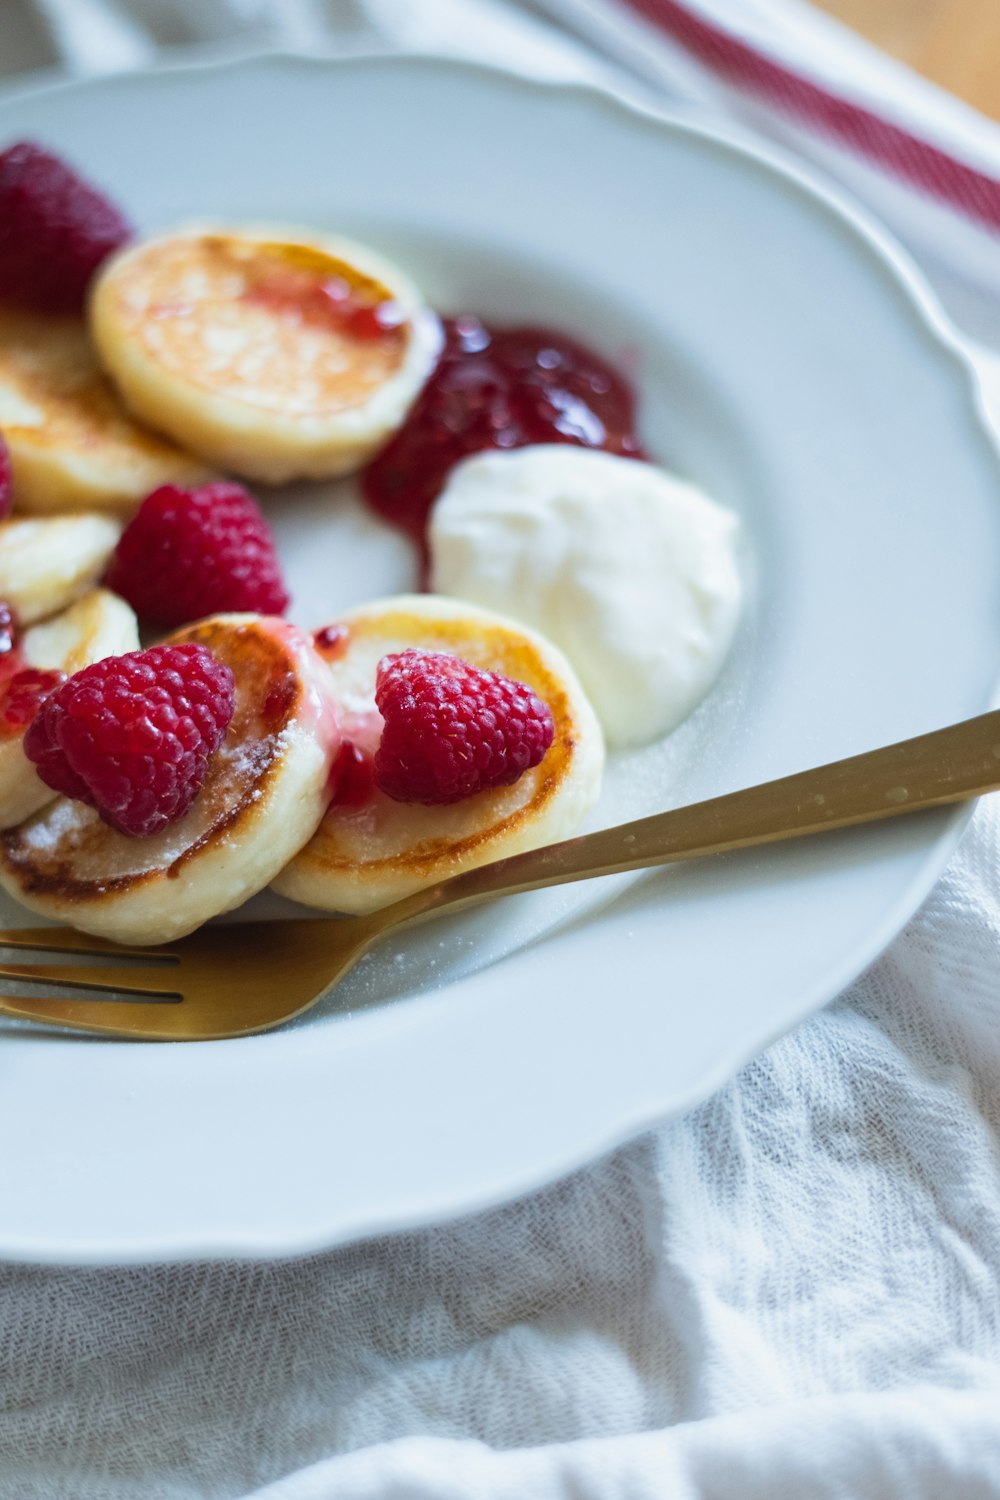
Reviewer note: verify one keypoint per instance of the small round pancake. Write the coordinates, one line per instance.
(364, 857)
(48, 561)
(263, 798)
(233, 341)
(98, 625)
(72, 444)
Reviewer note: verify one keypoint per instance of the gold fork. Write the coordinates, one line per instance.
(233, 980)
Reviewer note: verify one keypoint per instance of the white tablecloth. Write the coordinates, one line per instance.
(793, 1292)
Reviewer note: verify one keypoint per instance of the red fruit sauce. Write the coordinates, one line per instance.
(352, 777)
(331, 641)
(22, 689)
(22, 695)
(498, 388)
(332, 303)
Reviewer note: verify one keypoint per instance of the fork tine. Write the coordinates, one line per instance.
(68, 940)
(124, 980)
(139, 1022)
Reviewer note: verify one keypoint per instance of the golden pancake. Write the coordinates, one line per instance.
(262, 349)
(364, 857)
(48, 561)
(72, 444)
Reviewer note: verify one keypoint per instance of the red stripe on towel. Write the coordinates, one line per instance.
(915, 161)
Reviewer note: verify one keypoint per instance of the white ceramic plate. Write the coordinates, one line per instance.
(791, 361)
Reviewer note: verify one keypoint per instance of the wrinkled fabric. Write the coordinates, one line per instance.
(790, 1292)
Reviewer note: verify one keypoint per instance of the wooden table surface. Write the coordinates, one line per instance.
(956, 43)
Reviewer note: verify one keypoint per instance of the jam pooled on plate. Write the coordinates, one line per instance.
(498, 388)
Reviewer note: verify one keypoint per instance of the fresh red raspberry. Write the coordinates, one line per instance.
(6, 480)
(191, 553)
(452, 730)
(131, 735)
(55, 230)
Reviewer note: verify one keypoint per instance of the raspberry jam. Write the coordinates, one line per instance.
(498, 388)
(22, 695)
(22, 689)
(331, 641)
(331, 303)
(352, 777)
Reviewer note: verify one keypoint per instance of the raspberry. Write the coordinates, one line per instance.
(131, 735)
(6, 481)
(191, 553)
(21, 695)
(452, 730)
(55, 230)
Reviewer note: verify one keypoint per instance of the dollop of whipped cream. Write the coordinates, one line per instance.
(633, 572)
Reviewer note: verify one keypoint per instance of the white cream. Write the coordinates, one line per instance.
(631, 571)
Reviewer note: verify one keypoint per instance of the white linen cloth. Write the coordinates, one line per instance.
(791, 1292)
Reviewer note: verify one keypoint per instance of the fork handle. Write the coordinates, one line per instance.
(948, 765)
